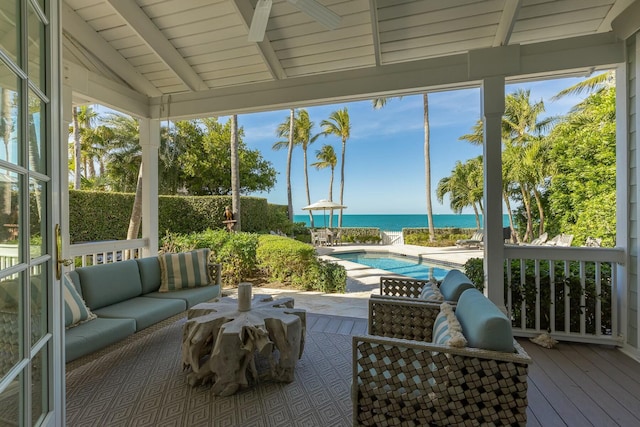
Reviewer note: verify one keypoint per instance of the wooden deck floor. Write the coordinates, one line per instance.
(572, 385)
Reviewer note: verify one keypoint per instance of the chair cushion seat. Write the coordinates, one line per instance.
(145, 311)
(190, 296)
(96, 334)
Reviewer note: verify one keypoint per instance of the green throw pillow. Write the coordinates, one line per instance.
(184, 270)
(75, 310)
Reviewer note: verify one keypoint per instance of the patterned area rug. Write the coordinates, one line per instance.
(141, 383)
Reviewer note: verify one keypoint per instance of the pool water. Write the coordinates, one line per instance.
(406, 266)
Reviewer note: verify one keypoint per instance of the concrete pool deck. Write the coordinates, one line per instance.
(362, 281)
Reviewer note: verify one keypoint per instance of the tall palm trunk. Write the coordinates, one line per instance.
(289, 155)
(77, 150)
(306, 183)
(536, 194)
(427, 167)
(507, 203)
(136, 212)
(344, 149)
(526, 199)
(475, 211)
(235, 172)
(5, 116)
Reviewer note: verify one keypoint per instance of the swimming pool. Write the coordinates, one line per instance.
(406, 266)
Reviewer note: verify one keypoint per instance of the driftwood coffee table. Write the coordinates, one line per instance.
(219, 342)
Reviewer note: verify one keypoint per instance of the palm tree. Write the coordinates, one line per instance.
(286, 130)
(338, 124)
(327, 159)
(235, 173)
(304, 137)
(7, 102)
(464, 187)
(595, 84)
(83, 121)
(427, 166)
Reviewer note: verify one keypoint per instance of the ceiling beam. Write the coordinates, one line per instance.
(507, 21)
(454, 71)
(375, 31)
(139, 22)
(101, 90)
(616, 9)
(269, 55)
(75, 26)
(627, 23)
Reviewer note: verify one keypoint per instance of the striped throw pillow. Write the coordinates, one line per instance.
(431, 292)
(184, 270)
(447, 329)
(75, 309)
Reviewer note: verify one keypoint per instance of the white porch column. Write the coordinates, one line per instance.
(492, 94)
(150, 142)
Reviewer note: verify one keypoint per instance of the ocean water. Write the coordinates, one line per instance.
(395, 222)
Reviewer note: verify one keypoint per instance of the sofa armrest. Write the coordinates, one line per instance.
(215, 273)
(407, 318)
(397, 382)
(401, 286)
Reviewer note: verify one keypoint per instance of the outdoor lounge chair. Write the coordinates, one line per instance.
(561, 240)
(476, 240)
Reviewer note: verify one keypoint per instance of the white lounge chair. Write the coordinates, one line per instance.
(476, 240)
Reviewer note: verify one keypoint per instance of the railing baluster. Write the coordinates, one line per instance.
(567, 299)
(509, 290)
(598, 280)
(583, 298)
(537, 313)
(552, 297)
(523, 281)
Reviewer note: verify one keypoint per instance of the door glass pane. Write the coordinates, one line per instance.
(36, 133)
(38, 290)
(10, 408)
(39, 386)
(36, 48)
(8, 113)
(9, 219)
(9, 28)
(10, 322)
(37, 204)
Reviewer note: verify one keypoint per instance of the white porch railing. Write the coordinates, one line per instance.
(84, 254)
(570, 292)
(392, 238)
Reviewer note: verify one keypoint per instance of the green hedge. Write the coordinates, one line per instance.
(290, 261)
(564, 286)
(95, 216)
(359, 235)
(444, 236)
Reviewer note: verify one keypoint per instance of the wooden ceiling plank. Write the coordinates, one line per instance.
(146, 29)
(82, 32)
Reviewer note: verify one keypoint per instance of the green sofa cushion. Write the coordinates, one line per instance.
(149, 274)
(75, 310)
(190, 296)
(454, 284)
(483, 324)
(107, 284)
(145, 311)
(92, 336)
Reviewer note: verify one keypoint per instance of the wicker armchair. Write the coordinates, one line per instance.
(405, 288)
(400, 377)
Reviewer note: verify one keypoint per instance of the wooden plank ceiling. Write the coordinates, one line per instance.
(160, 47)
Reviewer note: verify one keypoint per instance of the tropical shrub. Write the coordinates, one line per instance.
(363, 235)
(444, 236)
(235, 251)
(289, 261)
(523, 290)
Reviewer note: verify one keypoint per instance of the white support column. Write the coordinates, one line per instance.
(150, 142)
(492, 110)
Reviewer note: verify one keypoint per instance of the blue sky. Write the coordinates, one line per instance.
(384, 167)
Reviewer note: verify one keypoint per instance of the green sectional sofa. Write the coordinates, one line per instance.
(125, 298)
